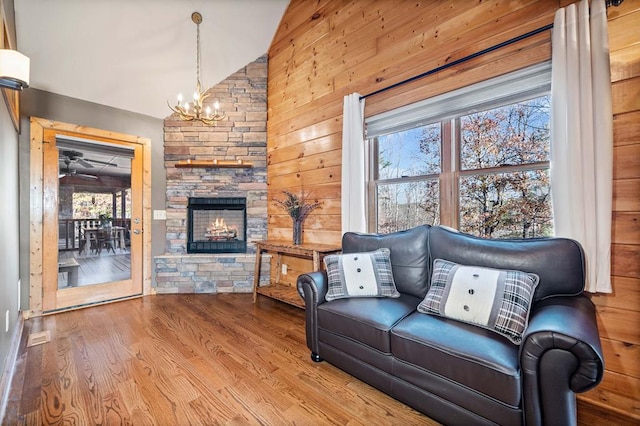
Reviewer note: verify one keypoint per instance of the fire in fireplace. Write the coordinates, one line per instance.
(217, 225)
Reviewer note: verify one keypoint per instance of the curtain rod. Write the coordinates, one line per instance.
(475, 55)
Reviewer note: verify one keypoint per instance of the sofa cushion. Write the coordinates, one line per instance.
(471, 356)
(409, 255)
(559, 262)
(366, 320)
(498, 300)
(360, 275)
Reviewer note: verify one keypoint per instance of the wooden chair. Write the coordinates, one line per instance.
(105, 240)
(82, 241)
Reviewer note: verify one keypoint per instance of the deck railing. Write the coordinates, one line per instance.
(70, 230)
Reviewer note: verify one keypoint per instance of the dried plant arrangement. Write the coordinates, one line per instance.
(298, 208)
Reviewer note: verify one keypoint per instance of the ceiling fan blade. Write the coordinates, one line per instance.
(82, 175)
(70, 154)
(84, 163)
(106, 163)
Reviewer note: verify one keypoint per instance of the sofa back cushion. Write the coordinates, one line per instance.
(559, 262)
(409, 255)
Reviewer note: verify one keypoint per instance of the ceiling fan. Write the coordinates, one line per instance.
(77, 157)
(68, 171)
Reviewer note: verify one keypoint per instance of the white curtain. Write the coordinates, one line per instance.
(582, 136)
(353, 165)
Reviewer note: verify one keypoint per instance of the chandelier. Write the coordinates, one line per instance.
(195, 110)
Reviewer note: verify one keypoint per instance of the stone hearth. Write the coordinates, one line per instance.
(241, 136)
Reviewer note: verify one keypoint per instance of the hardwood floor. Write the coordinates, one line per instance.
(187, 359)
(195, 359)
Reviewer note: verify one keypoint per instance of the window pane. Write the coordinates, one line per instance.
(87, 205)
(127, 200)
(506, 205)
(413, 152)
(511, 135)
(405, 205)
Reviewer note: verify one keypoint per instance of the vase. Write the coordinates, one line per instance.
(297, 232)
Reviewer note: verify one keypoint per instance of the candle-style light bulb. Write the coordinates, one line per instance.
(208, 112)
(196, 96)
(186, 107)
(179, 98)
(216, 107)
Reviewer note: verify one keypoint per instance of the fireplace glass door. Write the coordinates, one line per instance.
(217, 225)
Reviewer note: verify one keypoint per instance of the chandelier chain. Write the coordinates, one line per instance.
(198, 53)
(197, 110)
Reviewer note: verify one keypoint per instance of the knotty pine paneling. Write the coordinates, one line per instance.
(620, 389)
(326, 49)
(326, 221)
(626, 127)
(624, 260)
(626, 295)
(617, 392)
(616, 323)
(626, 228)
(624, 63)
(623, 27)
(626, 161)
(491, 65)
(626, 95)
(312, 147)
(617, 355)
(625, 195)
(367, 45)
(295, 267)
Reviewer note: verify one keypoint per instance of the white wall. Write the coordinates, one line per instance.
(9, 220)
(9, 216)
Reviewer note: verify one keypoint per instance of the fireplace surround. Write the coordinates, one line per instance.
(211, 260)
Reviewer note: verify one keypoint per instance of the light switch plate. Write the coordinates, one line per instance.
(159, 215)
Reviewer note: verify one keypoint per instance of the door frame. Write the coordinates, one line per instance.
(38, 191)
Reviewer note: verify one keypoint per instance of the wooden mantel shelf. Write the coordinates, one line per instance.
(210, 164)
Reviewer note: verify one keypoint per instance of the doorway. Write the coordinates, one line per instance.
(90, 203)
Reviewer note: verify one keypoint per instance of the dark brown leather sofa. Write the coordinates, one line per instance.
(453, 372)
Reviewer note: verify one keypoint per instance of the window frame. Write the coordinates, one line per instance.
(449, 178)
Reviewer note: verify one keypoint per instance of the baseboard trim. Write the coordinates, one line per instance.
(10, 365)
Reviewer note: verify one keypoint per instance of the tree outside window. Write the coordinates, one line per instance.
(498, 164)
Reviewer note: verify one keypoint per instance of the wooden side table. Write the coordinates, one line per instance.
(275, 290)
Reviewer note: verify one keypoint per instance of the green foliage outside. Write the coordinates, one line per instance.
(92, 206)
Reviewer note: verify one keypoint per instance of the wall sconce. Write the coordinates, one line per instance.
(14, 69)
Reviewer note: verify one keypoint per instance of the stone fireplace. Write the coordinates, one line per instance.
(225, 179)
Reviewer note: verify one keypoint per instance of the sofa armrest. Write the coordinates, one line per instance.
(312, 287)
(560, 356)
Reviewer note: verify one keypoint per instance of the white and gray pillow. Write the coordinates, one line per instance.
(366, 274)
(498, 300)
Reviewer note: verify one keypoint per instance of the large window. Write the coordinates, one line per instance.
(476, 159)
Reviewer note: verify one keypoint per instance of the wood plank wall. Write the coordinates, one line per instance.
(619, 313)
(326, 49)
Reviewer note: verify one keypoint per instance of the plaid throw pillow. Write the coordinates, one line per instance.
(498, 300)
(360, 275)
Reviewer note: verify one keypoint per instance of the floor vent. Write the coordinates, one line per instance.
(39, 338)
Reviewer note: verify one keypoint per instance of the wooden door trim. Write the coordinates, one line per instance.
(36, 238)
